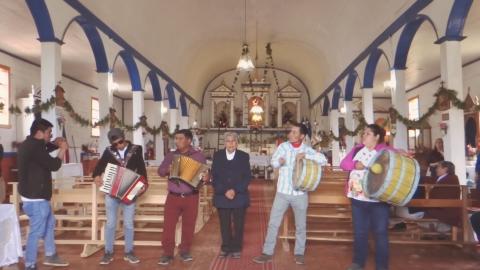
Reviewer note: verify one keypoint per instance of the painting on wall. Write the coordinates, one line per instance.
(222, 114)
(5, 96)
(289, 111)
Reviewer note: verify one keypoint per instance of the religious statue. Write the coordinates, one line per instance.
(59, 96)
(287, 117)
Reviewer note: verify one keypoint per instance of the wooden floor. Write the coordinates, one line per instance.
(329, 256)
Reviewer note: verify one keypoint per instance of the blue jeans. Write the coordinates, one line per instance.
(370, 216)
(299, 204)
(42, 225)
(111, 205)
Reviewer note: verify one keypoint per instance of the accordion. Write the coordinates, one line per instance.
(187, 170)
(122, 183)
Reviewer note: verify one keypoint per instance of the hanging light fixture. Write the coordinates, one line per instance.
(245, 63)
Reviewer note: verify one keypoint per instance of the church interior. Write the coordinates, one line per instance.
(255, 69)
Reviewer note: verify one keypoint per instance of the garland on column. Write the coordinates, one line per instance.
(442, 92)
(108, 119)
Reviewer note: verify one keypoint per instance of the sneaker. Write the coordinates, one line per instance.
(236, 255)
(299, 259)
(54, 260)
(130, 257)
(106, 259)
(186, 257)
(165, 260)
(223, 254)
(355, 266)
(31, 267)
(264, 258)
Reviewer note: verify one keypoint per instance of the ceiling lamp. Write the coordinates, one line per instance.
(245, 62)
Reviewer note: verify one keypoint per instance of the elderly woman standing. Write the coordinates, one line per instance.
(367, 214)
(231, 176)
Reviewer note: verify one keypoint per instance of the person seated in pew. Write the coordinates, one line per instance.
(35, 167)
(123, 153)
(284, 158)
(447, 217)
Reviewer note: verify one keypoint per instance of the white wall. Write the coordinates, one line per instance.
(23, 75)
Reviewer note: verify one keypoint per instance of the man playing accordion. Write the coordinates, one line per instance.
(128, 155)
(182, 200)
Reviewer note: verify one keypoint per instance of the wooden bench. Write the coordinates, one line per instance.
(329, 203)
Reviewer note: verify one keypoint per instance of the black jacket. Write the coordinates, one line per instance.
(35, 166)
(231, 174)
(133, 157)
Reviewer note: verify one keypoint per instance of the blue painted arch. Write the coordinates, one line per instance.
(95, 41)
(183, 105)
(132, 69)
(371, 67)
(456, 21)
(157, 92)
(172, 103)
(406, 38)
(42, 20)
(350, 85)
(337, 92)
(326, 106)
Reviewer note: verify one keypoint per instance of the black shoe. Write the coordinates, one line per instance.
(165, 260)
(399, 227)
(223, 254)
(186, 257)
(236, 255)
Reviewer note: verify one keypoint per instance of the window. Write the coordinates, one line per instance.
(413, 114)
(5, 96)
(95, 116)
(413, 109)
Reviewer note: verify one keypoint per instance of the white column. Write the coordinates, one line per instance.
(367, 105)
(279, 113)
(212, 113)
(400, 103)
(183, 122)
(349, 124)
(162, 112)
(172, 117)
(299, 116)
(51, 74)
(451, 74)
(232, 113)
(335, 144)
(105, 100)
(137, 112)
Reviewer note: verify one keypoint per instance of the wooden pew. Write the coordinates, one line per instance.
(329, 202)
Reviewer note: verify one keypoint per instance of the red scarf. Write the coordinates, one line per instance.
(296, 144)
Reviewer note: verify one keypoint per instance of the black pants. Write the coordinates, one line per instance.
(232, 239)
(475, 219)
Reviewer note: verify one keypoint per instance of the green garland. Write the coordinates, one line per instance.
(422, 122)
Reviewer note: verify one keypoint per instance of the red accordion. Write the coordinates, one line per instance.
(122, 183)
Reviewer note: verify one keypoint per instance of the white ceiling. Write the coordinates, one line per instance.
(193, 41)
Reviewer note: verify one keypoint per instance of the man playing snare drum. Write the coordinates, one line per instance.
(284, 158)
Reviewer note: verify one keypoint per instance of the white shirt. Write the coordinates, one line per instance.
(230, 156)
(441, 177)
(355, 181)
(122, 153)
(31, 200)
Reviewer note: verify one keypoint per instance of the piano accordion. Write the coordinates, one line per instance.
(122, 183)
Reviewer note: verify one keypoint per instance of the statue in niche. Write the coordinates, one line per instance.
(289, 114)
(221, 115)
(238, 117)
(59, 96)
(273, 119)
(287, 117)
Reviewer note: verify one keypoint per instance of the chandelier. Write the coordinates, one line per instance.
(245, 62)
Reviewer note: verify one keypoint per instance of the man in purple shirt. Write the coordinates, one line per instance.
(182, 200)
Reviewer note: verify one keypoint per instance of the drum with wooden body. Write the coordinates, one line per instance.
(306, 175)
(187, 170)
(391, 178)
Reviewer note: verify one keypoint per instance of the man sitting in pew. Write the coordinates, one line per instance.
(125, 154)
(447, 217)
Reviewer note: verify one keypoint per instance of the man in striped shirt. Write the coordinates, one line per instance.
(284, 159)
